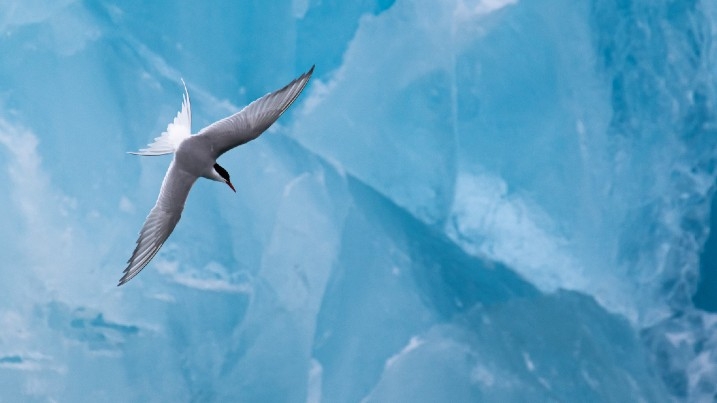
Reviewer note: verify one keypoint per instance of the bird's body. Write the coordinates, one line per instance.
(195, 156)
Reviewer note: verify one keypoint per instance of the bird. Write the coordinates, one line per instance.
(195, 156)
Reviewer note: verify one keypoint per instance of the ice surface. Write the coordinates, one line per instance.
(474, 200)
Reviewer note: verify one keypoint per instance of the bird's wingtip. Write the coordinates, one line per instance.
(125, 279)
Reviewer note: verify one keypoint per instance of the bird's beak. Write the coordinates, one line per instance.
(231, 186)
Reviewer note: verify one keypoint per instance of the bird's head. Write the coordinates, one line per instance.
(223, 176)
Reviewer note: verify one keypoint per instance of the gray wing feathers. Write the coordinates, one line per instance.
(255, 118)
(161, 220)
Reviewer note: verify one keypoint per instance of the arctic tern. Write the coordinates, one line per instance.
(196, 156)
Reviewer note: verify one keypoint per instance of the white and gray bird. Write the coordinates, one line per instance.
(196, 156)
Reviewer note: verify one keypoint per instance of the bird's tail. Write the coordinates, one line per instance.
(177, 131)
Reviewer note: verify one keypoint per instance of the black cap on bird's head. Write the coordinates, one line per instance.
(225, 175)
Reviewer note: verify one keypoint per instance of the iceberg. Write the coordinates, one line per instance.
(473, 200)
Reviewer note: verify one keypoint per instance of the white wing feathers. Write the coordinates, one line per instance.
(161, 220)
(177, 131)
(250, 122)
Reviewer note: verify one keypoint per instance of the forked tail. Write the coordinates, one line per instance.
(177, 131)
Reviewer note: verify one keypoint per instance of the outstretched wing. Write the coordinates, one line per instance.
(177, 131)
(161, 220)
(250, 122)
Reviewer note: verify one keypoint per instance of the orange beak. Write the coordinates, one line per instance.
(231, 186)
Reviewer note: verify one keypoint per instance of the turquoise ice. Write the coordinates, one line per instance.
(473, 200)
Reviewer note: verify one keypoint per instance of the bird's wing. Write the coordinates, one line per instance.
(250, 122)
(177, 131)
(161, 220)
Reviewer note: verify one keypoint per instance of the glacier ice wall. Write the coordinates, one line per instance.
(490, 200)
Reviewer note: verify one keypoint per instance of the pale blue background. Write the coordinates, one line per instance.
(473, 200)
